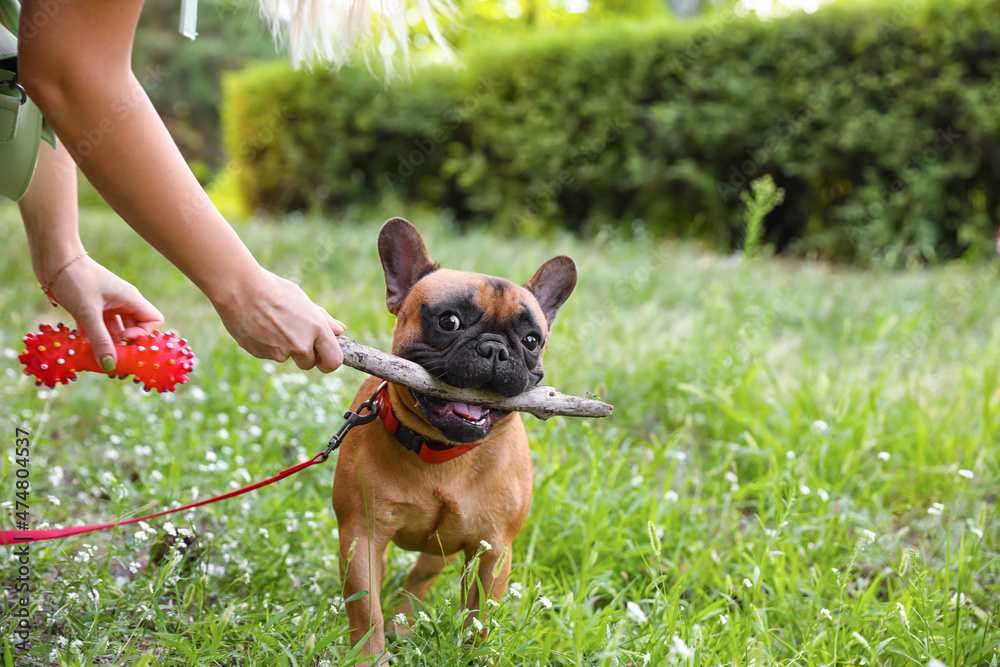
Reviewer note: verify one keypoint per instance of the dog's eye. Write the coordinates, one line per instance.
(450, 322)
(531, 342)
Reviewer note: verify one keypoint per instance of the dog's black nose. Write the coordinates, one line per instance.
(493, 348)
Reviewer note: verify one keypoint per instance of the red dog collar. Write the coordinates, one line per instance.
(429, 451)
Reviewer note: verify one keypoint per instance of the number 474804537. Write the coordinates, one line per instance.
(22, 454)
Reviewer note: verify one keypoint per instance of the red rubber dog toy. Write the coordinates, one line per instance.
(159, 361)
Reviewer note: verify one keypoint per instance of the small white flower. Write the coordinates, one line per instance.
(515, 590)
(635, 612)
(868, 536)
(477, 624)
(731, 477)
(485, 545)
(399, 619)
(967, 474)
(804, 490)
(823, 495)
(824, 613)
(222, 418)
(222, 433)
(545, 602)
(255, 430)
(171, 530)
(423, 617)
(197, 393)
(671, 496)
(56, 476)
(680, 649)
(747, 583)
(819, 426)
(902, 614)
(263, 532)
(645, 659)
(884, 456)
(790, 455)
(723, 619)
(935, 509)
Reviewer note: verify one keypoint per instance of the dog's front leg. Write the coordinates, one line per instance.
(362, 567)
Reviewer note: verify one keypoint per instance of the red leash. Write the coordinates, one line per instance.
(352, 419)
(428, 450)
(17, 536)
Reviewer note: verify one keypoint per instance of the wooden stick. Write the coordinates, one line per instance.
(541, 401)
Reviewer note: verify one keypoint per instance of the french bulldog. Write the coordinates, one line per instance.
(438, 477)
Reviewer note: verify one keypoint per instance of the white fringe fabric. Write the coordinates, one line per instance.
(331, 32)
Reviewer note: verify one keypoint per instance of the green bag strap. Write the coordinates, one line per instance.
(10, 14)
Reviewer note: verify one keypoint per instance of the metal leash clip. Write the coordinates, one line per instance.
(352, 419)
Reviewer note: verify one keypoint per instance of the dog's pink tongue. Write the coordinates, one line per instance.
(470, 412)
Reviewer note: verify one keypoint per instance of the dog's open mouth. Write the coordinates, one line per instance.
(460, 422)
(472, 414)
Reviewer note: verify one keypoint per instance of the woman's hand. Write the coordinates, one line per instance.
(272, 318)
(105, 307)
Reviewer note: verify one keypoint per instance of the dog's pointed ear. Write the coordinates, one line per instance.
(404, 260)
(552, 284)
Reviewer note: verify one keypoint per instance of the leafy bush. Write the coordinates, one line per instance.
(877, 120)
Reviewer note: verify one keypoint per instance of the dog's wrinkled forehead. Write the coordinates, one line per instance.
(470, 295)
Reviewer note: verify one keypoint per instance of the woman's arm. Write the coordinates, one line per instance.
(75, 60)
(106, 307)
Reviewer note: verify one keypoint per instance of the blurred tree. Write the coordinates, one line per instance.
(182, 77)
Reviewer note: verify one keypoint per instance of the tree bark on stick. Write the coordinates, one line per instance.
(541, 401)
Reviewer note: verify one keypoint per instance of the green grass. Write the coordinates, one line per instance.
(800, 455)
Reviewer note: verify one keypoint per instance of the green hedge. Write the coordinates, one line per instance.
(880, 121)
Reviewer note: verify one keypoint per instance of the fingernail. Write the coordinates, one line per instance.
(342, 325)
(108, 363)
